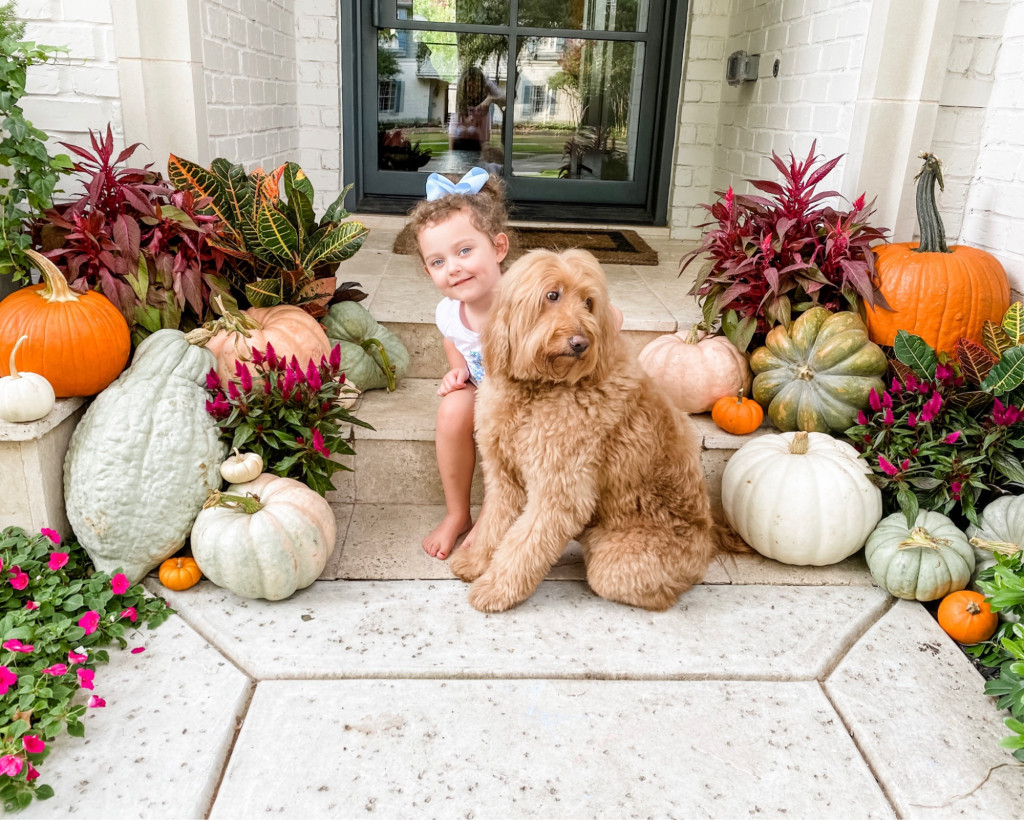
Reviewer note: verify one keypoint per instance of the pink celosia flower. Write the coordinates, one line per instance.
(911, 382)
(30, 605)
(271, 356)
(138, 650)
(912, 419)
(33, 744)
(7, 679)
(886, 400)
(14, 645)
(85, 677)
(313, 377)
(931, 407)
(267, 388)
(895, 388)
(335, 358)
(77, 657)
(952, 438)
(56, 670)
(89, 621)
(20, 579)
(858, 203)
(888, 419)
(257, 357)
(96, 702)
(730, 198)
(244, 376)
(53, 535)
(10, 765)
(120, 583)
(955, 489)
(874, 400)
(212, 380)
(58, 560)
(33, 773)
(887, 466)
(290, 380)
(943, 372)
(130, 614)
(318, 444)
(294, 366)
(861, 417)
(233, 393)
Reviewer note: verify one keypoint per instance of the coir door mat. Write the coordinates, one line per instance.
(611, 247)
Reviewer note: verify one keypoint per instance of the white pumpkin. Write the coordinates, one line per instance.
(144, 458)
(695, 370)
(265, 538)
(1000, 529)
(241, 467)
(24, 396)
(800, 498)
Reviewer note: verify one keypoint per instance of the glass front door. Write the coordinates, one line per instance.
(559, 97)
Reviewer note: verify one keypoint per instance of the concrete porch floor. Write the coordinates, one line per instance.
(767, 690)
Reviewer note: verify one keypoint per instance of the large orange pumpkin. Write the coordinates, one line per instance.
(79, 342)
(290, 329)
(937, 292)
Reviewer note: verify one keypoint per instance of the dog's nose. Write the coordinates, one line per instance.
(579, 345)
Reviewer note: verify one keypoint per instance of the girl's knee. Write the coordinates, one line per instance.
(456, 410)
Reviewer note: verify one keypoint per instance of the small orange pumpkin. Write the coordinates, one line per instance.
(737, 415)
(966, 617)
(180, 573)
(79, 342)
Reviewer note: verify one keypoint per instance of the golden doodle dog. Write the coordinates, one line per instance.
(577, 442)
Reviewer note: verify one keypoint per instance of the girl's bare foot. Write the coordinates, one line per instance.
(443, 537)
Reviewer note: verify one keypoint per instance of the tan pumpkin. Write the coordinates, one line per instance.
(288, 328)
(695, 369)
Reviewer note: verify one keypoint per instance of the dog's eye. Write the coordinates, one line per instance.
(590, 304)
(553, 296)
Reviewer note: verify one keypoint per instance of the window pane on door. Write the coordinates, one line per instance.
(587, 15)
(576, 108)
(440, 101)
(478, 12)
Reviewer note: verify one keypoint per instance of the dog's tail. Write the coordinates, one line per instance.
(728, 540)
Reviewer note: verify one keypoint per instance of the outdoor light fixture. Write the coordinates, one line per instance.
(741, 68)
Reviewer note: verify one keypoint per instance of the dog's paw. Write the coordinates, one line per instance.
(487, 595)
(467, 564)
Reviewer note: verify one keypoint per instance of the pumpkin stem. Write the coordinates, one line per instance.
(249, 504)
(973, 608)
(799, 444)
(920, 537)
(389, 371)
(929, 221)
(739, 399)
(56, 286)
(14, 370)
(1004, 547)
(233, 321)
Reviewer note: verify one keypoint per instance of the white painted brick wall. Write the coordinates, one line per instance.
(80, 91)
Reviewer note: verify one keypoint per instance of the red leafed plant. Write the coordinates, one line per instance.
(774, 257)
(137, 240)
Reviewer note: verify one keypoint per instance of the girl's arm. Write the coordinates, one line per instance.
(458, 375)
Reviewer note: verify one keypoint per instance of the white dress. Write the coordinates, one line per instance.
(449, 321)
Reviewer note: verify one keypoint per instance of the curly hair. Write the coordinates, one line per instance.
(487, 210)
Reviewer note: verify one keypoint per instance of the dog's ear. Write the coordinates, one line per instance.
(494, 339)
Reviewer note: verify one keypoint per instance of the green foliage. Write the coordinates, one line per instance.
(1003, 587)
(277, 251)
(27, 189)
(57, 615)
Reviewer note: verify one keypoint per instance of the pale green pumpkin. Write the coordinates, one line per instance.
(1000, 529)
(144, 458)
(265, 538)
(924, 562)
(816, 374)
(371, 355)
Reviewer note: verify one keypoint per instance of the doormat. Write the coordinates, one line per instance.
(611, 247)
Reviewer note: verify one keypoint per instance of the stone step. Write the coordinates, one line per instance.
(395, 463)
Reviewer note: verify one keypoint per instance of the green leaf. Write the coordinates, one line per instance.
(915, 353)
(907, 501)
(44, 792)
(336, 245)
(336, 210)
(299, 193)
(738, 331)
(264, 292)
(1008, 466)
(1013, 322)
(276, 233)
(179, 216)
(1007, 374)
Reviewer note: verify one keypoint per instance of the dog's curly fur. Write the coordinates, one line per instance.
(577, 442)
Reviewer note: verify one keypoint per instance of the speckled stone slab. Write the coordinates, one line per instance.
(917, 709)
(386, 629)
(545, 749)
(158, 747)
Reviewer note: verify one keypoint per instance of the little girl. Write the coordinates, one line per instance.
(461, 233)
(462, 238)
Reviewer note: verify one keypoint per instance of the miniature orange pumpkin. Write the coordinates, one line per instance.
(966, 617)
(737, 415)
(180, 573)
(937, 292)
(79, 342)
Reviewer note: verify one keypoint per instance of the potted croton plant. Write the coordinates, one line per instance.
(774, 257)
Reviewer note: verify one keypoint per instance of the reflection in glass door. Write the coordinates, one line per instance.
(560, 97)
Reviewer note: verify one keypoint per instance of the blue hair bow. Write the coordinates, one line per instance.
(439, 186)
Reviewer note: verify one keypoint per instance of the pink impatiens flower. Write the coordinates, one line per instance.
(30, 605)
(53, 535)
(33, 773)
(96, 702)
(77, 657)
(20, 579)
(57, 560)
(14, 645)
(7, 679)
(56, 670)
(85, 678)
(89, 621)
(138, 649)
(33, 744)
(10, 765)
(120, 583)
(131, 614)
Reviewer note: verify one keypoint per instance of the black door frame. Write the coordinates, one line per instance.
(355, 13)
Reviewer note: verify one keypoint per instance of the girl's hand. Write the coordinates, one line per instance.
(455, 379)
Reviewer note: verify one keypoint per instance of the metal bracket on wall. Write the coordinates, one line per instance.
(741, 68)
